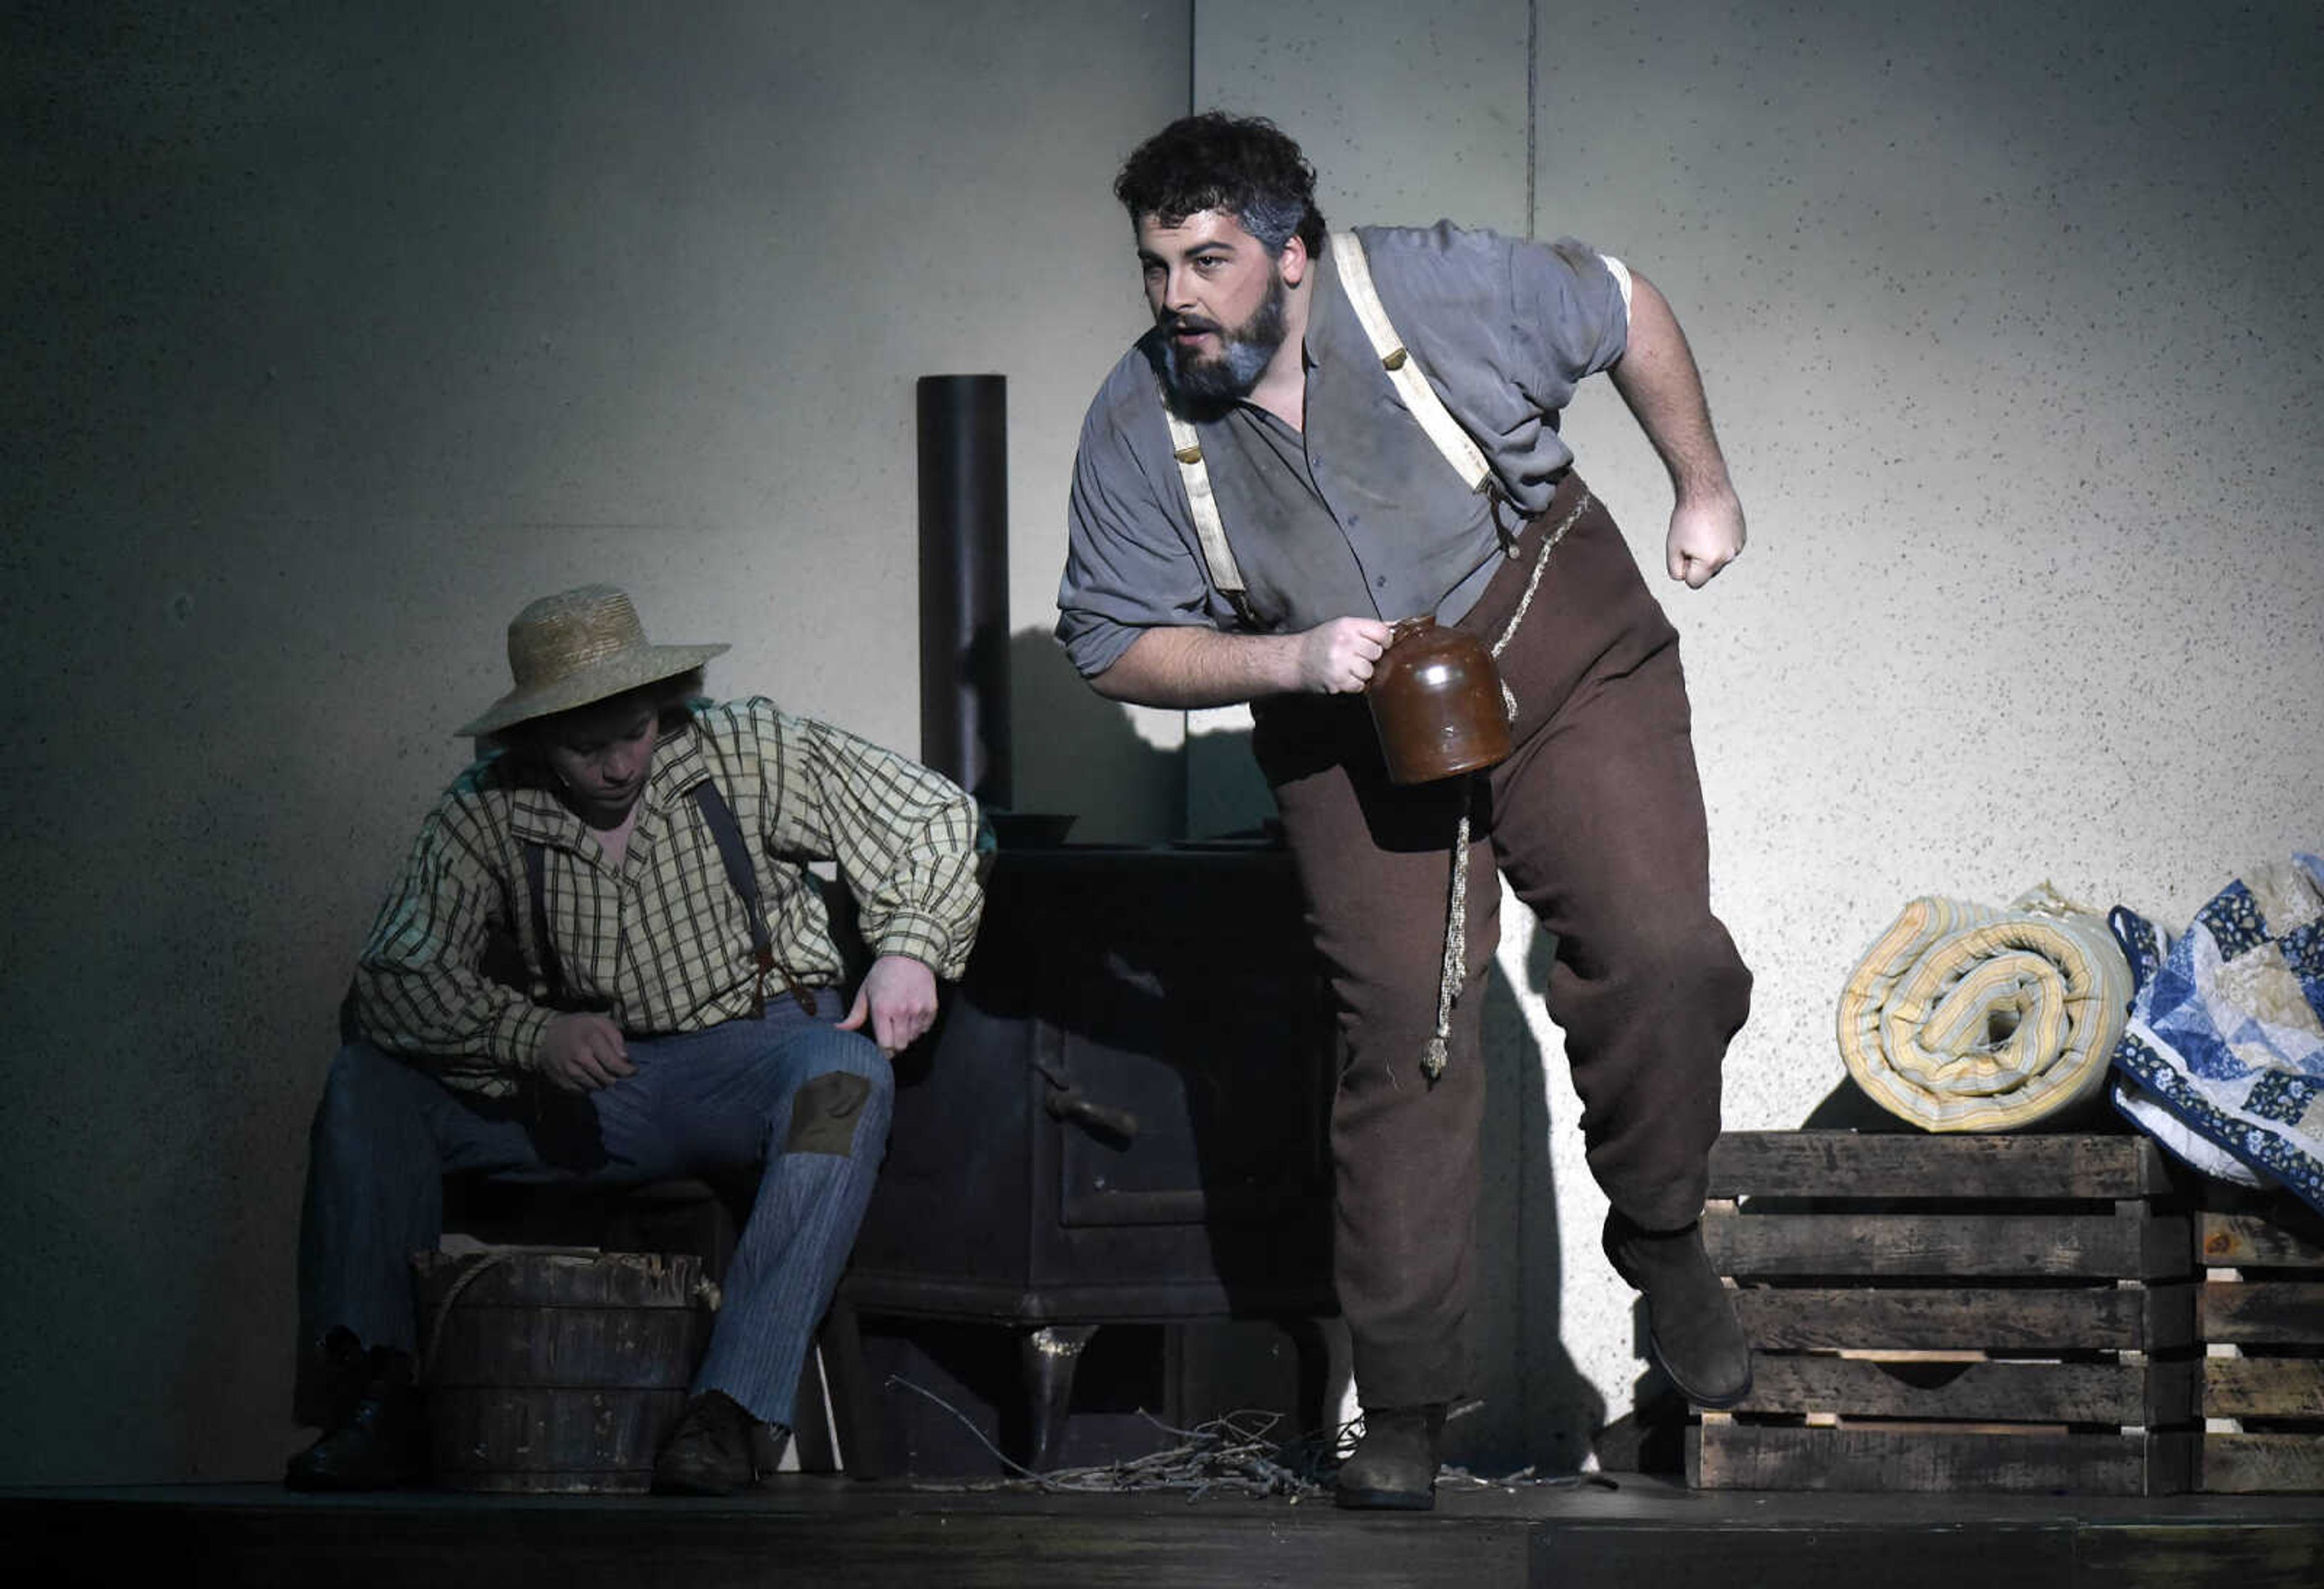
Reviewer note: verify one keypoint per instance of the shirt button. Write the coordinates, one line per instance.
(1381, 582)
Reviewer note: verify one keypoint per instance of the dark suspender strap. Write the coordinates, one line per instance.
(552, 969)
(728, 833)
(719, 817)
(1508, 533)
(732, 853)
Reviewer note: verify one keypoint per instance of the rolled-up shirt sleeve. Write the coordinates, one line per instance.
(1128, 565)
(1572, 317)
(904, 837)
(1507, 328)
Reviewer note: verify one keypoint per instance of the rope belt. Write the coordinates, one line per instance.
(1456, 916)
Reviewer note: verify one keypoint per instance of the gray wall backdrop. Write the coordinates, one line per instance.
(2012, 323)
(337, 332)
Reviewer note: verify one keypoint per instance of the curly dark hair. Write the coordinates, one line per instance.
(1246, 166)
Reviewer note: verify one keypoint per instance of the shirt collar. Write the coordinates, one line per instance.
(538, 816)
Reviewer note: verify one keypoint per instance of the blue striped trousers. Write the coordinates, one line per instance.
(768, 1092)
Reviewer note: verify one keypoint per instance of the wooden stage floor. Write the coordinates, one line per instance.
(824, 1530)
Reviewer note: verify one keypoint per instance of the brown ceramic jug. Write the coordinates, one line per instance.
(1436, 703)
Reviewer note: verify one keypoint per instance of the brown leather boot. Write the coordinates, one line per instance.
(1692, 1331)
(1395, 1464)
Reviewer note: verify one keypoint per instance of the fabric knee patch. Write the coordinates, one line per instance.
(824, 1114)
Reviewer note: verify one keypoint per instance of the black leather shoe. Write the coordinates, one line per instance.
(708, 1453)
(1395, 1464)
(379, 1438)
(1692, 1331)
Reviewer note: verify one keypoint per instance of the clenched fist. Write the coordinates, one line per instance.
(1705, 537)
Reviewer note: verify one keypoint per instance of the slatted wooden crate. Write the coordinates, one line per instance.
(1957, 1312)
(2262, 1327)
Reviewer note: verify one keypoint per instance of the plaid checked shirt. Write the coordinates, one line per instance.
(662, 943)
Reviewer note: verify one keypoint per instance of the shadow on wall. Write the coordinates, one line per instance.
(1539, 1408)
(1079, 753)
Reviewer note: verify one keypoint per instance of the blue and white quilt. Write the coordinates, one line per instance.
(2223, 1060)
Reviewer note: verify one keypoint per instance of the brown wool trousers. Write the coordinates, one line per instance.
(1596, 819)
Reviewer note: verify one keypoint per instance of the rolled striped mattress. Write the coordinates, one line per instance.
(1966, 1018)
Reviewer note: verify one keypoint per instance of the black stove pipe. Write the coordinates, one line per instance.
(964, 447)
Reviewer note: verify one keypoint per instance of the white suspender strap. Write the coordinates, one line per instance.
(1187, 446)
(1419, 396)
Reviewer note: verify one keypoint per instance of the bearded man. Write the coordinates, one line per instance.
(1321, 435)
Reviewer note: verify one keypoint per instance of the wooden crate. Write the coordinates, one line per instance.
(2261, 1317)
(1946, 1313)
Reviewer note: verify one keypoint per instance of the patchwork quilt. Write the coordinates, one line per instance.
(2223, 1060)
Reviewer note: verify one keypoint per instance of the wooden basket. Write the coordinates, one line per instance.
(555, 1370)
(1954, 1313)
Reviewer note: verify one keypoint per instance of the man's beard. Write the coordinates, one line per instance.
(1242, 358)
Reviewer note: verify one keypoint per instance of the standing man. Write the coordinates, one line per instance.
(605, 961)
(1265, 483)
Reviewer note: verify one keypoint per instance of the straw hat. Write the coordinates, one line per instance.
(584, 645)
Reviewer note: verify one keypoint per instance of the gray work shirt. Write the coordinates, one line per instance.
(1360, 515)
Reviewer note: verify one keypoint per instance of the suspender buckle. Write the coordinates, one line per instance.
(800, 994)
(765, 959)
(1394, 361)
(1494, 498)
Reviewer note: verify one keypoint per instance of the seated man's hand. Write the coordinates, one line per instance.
(584, 1052)
(898, 998)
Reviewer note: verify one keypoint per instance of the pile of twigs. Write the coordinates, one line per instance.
(1235, 1454)
(1229, 1455)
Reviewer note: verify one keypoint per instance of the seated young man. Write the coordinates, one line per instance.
(641, 854)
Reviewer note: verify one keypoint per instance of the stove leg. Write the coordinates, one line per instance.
(1048, 1357)
(1319, 1379)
